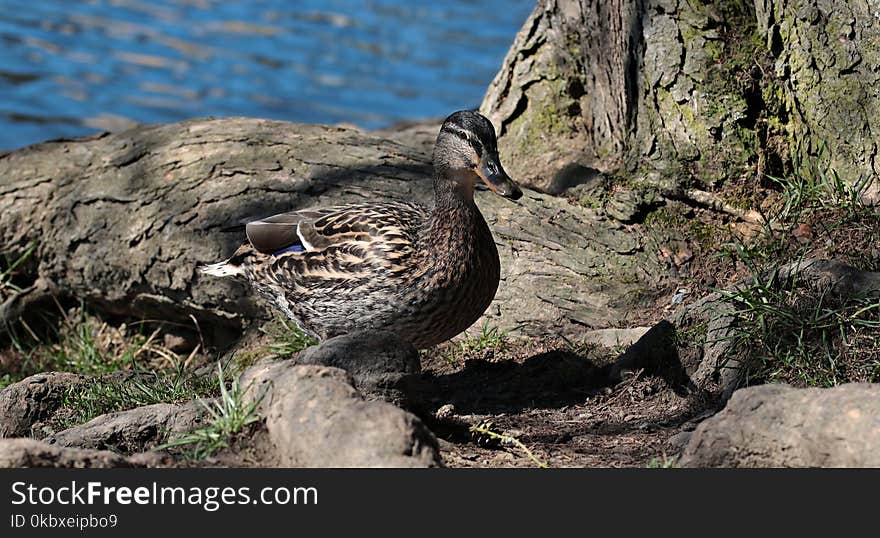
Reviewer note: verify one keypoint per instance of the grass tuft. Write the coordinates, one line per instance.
(822, 190)
(82, 343)
(144, 388)
(662, 462)
(229, 415)
(783, 330)
(7, 286)
(286, 337)
(490, 337)
(796, 335)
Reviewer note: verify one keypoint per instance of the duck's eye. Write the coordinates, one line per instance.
(491, 168)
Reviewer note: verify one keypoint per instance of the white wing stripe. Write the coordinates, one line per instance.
(306, 245)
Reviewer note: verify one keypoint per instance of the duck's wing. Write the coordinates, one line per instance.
(318, 229)
(271, 234)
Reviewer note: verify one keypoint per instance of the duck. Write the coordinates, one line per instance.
(423, 274)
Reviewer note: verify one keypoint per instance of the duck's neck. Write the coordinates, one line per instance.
(455, 222)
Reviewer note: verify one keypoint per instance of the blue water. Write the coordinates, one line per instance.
(75, 67)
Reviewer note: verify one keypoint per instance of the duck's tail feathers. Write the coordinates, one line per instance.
(223, 268)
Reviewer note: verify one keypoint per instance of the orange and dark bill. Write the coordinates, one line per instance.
(494, 176)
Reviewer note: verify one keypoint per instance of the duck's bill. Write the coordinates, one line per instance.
(494, 176)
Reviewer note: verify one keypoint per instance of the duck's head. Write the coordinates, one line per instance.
(467, 152)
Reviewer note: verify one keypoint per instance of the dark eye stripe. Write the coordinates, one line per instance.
(472, 141)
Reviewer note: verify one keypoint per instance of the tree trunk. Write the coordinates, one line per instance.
(826, 56)
(564, 94)
(122, 221)
(676, 93)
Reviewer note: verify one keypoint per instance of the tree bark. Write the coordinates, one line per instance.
(826, 56)
(563, 95)
(676, 93)
(122, 221)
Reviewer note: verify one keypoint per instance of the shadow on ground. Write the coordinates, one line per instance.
(550, 379)
(570, 409)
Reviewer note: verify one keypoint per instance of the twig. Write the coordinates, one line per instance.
(715, 203)
(18, 303)
(199, 330)
(188, 361)
(511, 440)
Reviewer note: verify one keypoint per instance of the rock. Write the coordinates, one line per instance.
(33, 399)
(614, 337)
(381, 364)
(179, 342)
(134, 430)
(654, 352)
(446, 412)
(316, 418)
(152, 459)
(678, 441)
(33, 453)
(781, 426)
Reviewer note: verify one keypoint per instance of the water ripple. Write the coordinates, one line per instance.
(71, 67)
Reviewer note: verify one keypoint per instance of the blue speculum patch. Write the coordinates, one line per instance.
(291, 248)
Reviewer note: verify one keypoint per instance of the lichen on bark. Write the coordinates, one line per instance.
(707, 116)
(827, 53)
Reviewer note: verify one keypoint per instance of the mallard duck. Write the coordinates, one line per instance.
(426, 275)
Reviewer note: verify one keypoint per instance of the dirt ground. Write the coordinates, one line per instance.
(556, 401)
